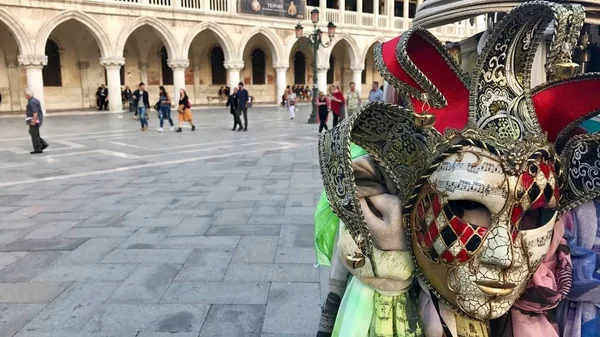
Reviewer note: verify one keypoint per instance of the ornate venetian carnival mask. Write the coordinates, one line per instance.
(483, 165)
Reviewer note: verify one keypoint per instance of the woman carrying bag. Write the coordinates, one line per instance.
(185, 110)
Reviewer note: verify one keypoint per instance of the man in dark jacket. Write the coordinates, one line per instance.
(232, 103)
(142, 102)
(34, 118)
(102, 98)
(243, 98)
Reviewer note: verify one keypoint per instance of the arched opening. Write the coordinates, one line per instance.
(52, 72)
(217, 67)
(258, 73)
(11, 81)
(167, 72)
(301, 63)
(340, 71)
(73, 69)
(258, 66)
(207, 76)
(299, 68)
(370, 73)
(331, 71)
(146, 55)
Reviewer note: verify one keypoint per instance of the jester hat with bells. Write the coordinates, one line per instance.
(469, 178)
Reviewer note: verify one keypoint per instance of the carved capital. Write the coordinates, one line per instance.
(12, 64)
(323, 68)
(33, 61)
(83, 65)
(143, 65)
(357, 68)
(281, 66)
(178, 63)
(234, 65)
(112, 62)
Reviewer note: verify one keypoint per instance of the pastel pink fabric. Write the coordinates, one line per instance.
(549, 285)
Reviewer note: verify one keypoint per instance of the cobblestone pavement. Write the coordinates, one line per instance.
(121, 233)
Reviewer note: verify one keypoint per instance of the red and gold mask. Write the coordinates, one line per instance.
(483, 163)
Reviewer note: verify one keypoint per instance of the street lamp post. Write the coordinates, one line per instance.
(315, 41)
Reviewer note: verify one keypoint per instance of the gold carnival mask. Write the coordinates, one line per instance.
(483, 165)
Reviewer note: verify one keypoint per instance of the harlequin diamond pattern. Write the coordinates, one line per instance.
(537, 188)
(442, 234)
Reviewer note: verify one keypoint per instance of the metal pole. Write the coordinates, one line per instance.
(315, 44)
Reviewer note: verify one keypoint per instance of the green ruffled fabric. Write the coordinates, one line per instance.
(366, 313)
(327, 223)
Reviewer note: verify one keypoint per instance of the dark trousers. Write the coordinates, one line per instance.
(38, 142)
(323, 120)
(245, 111)
(236, 119)
(336, 120)
(102, 103)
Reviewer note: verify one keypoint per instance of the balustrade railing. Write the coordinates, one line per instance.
(194, 4)
(367, 20)
(218, 5)
(347, 19)
(160, 2)
(332, 15)
(351, 18)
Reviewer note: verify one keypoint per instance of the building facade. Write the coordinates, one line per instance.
(64, 50)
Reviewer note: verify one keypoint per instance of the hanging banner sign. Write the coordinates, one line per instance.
(293, 9)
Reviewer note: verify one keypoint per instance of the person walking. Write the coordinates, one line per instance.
(128, 97)
(323, 106)
(243, 99)
(102, 97)
(164, 108)
(352, 100)
(232, 103)
(34, 118)
(185, 110)
(291, 100)
(375, 95)
(142, 103)
(337, 103)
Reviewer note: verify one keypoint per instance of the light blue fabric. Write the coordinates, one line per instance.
(579, 315)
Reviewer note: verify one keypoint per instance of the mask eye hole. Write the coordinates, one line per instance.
(536, 218)
(469, 211)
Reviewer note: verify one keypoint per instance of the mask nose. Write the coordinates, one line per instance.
(497, 249)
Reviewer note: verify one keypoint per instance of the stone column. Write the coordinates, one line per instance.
(113, 77)
(323, 11)
(13, 84)
(357, 76)
(375, 13)
(342, 8)
(35, 81)
(281, 81)
(359, 5)
(405, 21)
(143, 73)
(322, 78)
(389, 7)
(178, 66)
(85, 87)
(233, 73)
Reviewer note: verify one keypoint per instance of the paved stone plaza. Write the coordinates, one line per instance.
(121, 233)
